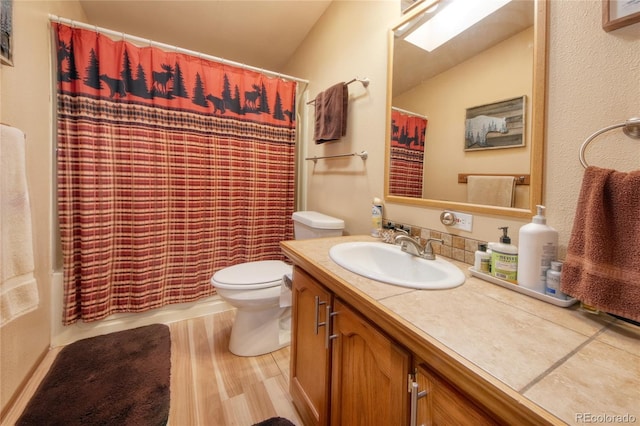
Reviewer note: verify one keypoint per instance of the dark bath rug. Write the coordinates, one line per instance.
(120, 378)
(275, 421)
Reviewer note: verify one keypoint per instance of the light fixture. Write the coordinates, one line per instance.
(452, 19)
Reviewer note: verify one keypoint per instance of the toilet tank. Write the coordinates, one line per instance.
(310, 224)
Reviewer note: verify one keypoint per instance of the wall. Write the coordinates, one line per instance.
(349, 41)
(593, 82)
(26, 104)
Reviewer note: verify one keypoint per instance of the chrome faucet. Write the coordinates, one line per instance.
(411, 246)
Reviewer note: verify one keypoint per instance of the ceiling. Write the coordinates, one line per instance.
(260, 33)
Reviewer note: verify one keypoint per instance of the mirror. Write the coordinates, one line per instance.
(496, 68)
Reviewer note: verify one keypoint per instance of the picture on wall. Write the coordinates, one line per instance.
(6, 32)
(496, 125)
(619, 13)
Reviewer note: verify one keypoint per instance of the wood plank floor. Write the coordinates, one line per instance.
(209, 385)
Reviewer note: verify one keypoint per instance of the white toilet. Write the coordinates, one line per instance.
(262, 322)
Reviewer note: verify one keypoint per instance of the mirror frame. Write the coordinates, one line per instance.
(538, 112)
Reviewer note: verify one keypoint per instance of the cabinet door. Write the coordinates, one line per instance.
(369, 373)
(309, 381)
(444, 405)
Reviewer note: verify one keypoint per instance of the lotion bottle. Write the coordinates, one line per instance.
(504, 258)
(538, 246)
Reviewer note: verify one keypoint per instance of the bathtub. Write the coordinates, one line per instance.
(63, 335)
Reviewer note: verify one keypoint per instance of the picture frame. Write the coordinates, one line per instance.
(6, 32)
(496, 125)
(619, 13)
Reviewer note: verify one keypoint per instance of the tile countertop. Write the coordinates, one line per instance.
(580, 367)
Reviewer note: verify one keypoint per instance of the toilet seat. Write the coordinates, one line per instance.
(251, 275)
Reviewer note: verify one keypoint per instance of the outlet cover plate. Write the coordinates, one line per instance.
(462, 221)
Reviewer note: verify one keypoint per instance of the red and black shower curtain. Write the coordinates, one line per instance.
(170, 167)
(407, 154)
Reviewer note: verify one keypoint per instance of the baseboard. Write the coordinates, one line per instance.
(22, 386)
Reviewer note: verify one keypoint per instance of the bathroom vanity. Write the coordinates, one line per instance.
(365, 352)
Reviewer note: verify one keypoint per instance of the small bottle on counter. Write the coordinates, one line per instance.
(482, 259)
(376, 217)
(553, 281)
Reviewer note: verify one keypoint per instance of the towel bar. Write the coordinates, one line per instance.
(361, 154)
(365, 82)
(631, 128)
(520, 179)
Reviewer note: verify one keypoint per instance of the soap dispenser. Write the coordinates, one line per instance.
(538, 244)
(504, 258)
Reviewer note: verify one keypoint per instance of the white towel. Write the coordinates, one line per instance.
(491, 190)
(18, 286)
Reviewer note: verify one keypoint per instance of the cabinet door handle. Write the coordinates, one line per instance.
(317, 323)
(327, 331)
(415, 396)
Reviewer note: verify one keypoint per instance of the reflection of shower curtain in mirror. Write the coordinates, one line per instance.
(407, 154)
(170, 167)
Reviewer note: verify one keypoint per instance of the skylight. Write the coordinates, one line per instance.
(451, 20)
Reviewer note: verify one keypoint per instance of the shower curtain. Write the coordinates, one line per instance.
(170, 167)
(407, 154)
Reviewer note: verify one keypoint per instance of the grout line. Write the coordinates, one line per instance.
(562, 360)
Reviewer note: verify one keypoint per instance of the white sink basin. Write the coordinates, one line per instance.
(387, 263)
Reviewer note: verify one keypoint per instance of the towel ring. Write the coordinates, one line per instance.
(631, 128)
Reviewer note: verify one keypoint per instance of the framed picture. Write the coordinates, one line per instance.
(6, 32)
(494, 126)
(619, 13)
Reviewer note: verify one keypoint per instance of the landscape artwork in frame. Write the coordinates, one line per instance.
(6, 34)
(496, 125)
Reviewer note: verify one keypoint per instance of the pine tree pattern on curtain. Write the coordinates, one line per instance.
(407, 154)
(170, 167)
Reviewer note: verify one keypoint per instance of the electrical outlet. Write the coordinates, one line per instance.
(462, 221)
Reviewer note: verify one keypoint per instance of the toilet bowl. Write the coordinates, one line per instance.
(254, 288)
(262, 322)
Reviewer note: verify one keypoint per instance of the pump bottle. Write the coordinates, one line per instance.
(538, 246)
(504, 258)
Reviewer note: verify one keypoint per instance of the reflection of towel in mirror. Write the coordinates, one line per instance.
(602, 266)
(491, 190)
(18, 288)
(331, 113)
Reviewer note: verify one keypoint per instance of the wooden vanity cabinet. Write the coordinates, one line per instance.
(310, 361)
(348, 374)
(369, 373)
(440, 404)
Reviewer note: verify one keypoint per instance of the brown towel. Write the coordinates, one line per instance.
(331, 113)
(602, 268)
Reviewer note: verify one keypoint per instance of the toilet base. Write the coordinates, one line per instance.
(260, 332)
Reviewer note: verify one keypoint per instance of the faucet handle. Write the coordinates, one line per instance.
(428, 248)
(437, 240)
(408, 244)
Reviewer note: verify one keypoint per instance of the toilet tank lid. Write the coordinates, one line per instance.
(318, 220)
